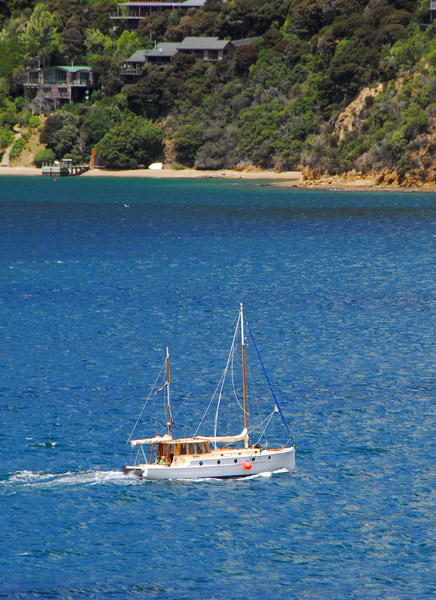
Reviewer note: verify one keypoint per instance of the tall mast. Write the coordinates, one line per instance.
(241, 314)
(168, 392)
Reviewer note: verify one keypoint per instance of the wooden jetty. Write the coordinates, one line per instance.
(63, 168)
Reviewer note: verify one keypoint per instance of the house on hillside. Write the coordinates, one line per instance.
(202, 48)
(58, 85)
(135, 10)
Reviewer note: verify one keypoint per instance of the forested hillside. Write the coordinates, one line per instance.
(329, 86)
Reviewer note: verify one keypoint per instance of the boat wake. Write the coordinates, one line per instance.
(38, 480)
(69, 478)
(265, 474)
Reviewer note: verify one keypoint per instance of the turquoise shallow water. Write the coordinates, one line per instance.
(340, 292)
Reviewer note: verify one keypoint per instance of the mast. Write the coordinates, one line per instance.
(168, 392)
(241, 313)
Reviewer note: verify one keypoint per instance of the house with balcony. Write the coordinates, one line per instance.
(59, 85)
(207, 49)
(132, 12)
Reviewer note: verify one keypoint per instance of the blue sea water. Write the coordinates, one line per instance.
(98, 276)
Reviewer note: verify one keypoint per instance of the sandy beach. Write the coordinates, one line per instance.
(292, 177)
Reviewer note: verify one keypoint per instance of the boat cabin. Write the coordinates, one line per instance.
(167, 451)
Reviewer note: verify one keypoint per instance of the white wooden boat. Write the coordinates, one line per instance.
(216, 456)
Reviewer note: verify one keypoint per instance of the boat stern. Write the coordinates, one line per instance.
(138, 472)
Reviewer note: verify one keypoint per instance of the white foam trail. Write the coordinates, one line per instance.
(22, 476)
(242, 478)
(55, 480)
(33, 479)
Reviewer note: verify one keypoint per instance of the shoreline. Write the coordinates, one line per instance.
(288, 176)
(283, 179)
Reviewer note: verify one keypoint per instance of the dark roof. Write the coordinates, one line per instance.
(185, 4)
(169, 49)
(138, 56)
(203, 43)
(163, 49)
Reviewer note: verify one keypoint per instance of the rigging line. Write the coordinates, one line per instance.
(253, 391)
(259, 412)
(269, 381)
(199, 378)
(265, 427)
(261, 424)
(235, 393)
(223, 378)
(220, 383)
(146, 402)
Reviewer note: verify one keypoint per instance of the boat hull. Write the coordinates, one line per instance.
(220, 465)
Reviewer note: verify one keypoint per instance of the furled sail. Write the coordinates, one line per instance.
(167, 439)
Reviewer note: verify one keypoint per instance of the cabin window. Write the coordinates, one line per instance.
(183, 449)
(192, 449)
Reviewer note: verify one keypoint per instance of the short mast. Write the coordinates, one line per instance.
(241, 313)
(168, 392)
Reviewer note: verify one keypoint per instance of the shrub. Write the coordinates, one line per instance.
(18, 146)
(45, 156)
(6, 137)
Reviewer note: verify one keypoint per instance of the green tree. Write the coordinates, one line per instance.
(98, 121)
(11, 56)
(107, 75)
(40, 37)
(245, 56)
(97, 43)
(187, 142)
(133, 142)
(66, 141)
(127, 44)
(54, 123)
(150, 96)
(72, 43)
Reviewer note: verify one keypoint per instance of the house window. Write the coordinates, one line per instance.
(33, 77)
(213, 54)
(55, 76)
(46, 89)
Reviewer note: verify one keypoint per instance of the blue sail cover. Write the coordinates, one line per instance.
(269, 381)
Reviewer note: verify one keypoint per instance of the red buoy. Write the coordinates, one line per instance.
(247, 465)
